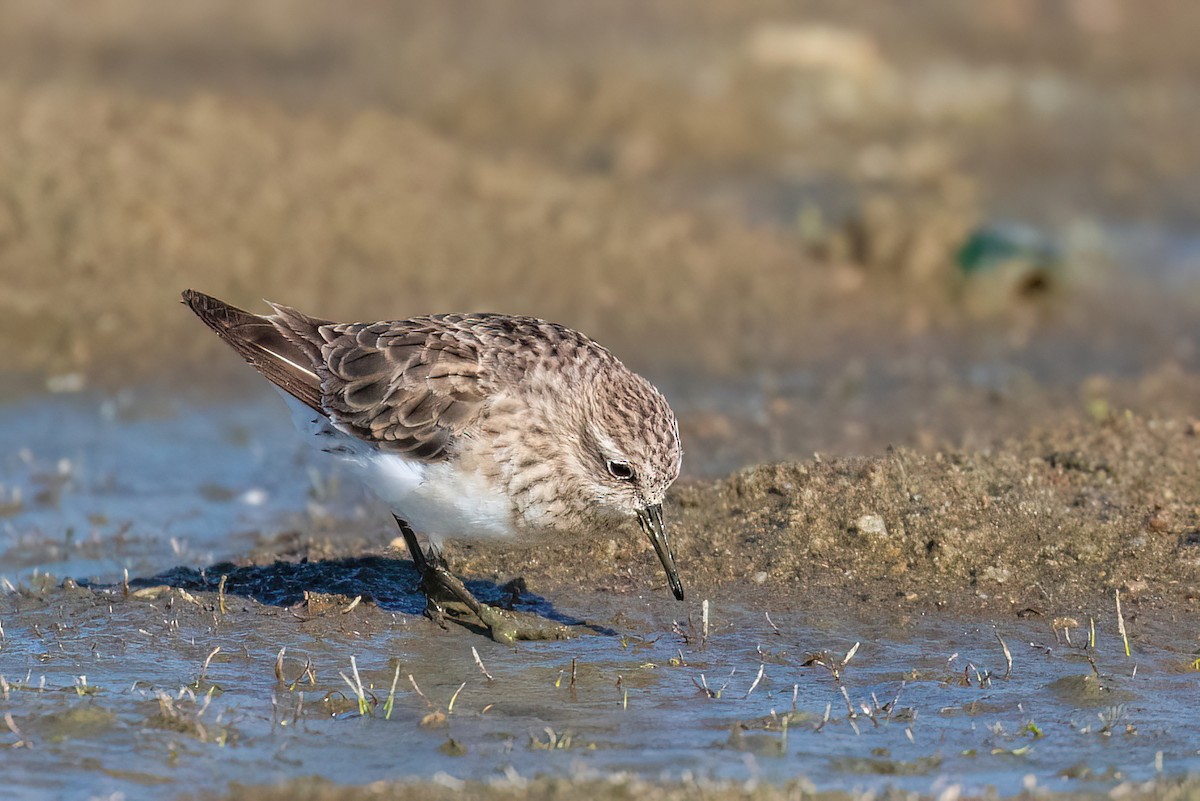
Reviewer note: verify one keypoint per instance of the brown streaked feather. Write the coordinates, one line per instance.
(285, 362)
(410, 387)
(404, 386)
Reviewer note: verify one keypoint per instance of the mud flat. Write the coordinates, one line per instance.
(623, 788)
(919, 622)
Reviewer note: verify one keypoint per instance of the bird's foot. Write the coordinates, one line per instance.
(441, 598)
(508, 626)
(446, 596)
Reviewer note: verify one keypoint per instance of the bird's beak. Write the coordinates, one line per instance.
(651, 521)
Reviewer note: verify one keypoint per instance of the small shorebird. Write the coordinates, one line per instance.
(471, 425)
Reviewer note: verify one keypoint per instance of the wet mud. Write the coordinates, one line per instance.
(908, 621)
(203, 683)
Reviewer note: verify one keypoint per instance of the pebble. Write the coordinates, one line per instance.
(871, 524)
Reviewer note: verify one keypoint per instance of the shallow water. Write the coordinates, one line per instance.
(927, 714)
(126, 693)
(94, 485)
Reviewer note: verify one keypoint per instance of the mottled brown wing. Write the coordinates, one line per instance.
(411, 387)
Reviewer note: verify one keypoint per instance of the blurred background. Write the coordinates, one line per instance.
(819, 226)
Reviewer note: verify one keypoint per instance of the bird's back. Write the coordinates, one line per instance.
(411, 387)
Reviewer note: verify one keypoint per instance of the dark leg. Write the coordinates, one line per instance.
(433, 608)
(441, 588)
(414, 547)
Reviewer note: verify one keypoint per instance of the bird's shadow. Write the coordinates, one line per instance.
(390, 584)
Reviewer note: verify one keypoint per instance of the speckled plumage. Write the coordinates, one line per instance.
(472, 424)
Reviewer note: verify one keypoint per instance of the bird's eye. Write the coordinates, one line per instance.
(620, 469)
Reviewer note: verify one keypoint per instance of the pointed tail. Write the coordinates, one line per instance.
(286, 360)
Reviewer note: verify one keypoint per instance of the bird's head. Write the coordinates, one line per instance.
(628, 454)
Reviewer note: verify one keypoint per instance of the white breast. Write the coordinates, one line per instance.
(439, 500)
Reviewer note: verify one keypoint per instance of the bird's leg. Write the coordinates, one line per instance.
(444, 590)
(434, 602)
(414, 547)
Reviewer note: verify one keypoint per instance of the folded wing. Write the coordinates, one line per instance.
(410, 387)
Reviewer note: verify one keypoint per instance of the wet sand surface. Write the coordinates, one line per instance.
(919, 476)
(258, 583)
(933, 699)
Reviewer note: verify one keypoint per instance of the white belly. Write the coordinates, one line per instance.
(438, 500)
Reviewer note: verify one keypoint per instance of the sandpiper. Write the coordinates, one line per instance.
(471, 425)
